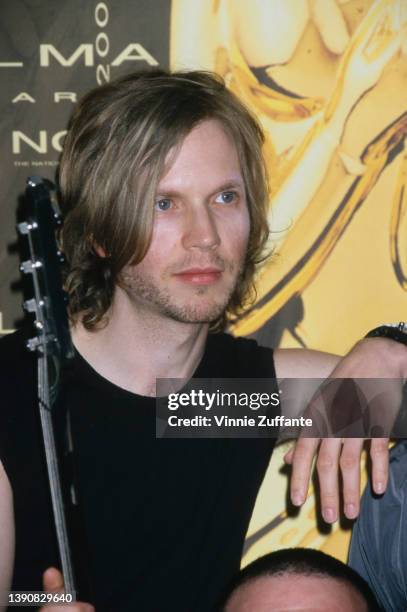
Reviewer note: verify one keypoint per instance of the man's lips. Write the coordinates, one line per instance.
(199, 276)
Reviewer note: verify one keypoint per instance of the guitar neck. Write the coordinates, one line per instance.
(52, 344)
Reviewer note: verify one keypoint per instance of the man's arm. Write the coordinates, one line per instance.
(378, 549)
(369, 358)
(6, 535)
(304, 363)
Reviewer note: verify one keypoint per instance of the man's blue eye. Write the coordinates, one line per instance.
(226, 197)
(164, 204)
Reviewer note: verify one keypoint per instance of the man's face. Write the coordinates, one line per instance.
(200, 233)
(296, 593)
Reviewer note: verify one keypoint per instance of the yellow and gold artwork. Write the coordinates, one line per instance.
(328, 81)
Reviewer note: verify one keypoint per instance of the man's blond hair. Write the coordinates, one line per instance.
(113, 158)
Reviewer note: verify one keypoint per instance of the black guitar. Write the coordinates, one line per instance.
(52, 344)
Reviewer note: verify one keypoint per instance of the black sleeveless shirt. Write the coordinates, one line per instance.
(163, 520)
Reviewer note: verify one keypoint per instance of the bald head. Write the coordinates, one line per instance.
(296, 593)
(299, 580)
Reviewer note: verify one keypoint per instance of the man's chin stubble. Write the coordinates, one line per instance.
(160, 301)
(150, 298)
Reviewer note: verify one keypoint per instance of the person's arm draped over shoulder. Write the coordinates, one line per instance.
(369, 358)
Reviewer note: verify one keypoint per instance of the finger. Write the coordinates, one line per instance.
(52, 580)
(350, 467)
(303, 454)
(379, 453)
(327, 468)
(288, 457)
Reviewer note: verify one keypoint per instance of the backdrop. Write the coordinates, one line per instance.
(328, 81)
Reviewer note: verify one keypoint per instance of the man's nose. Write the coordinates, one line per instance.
(200, 230)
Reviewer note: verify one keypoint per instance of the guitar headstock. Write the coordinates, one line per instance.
(49, 303)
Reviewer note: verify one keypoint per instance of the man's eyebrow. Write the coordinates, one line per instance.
(231, 184)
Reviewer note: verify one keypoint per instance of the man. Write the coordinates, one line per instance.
(164, 193)
(378, 548)
(299, 579)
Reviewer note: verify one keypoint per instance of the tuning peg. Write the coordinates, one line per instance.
(26, 227)
(30, 305)
(34, 181)
(33, 343)
(28, 266)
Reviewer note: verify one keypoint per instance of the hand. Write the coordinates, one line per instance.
(53, 583)
(372, 358)
(332, 454)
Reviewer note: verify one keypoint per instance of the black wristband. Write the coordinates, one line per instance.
(393, 332)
